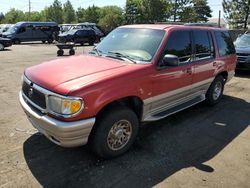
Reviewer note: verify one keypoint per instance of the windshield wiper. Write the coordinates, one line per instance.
(120, 55)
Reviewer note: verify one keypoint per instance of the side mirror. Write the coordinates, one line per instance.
(171, 60)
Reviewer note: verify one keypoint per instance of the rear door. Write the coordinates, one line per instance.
(203, 59)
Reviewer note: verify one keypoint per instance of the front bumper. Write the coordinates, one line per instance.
(7, 44)
(66, 134)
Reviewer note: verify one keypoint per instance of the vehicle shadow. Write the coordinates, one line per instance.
(242, 73)
(6, 50)
(186, 139)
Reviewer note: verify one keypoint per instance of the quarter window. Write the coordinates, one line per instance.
(224, 43)
(179, 44)
(202, 45)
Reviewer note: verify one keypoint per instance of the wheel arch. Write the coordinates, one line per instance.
(132, 102)
(224, 74)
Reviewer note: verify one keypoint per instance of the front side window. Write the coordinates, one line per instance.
(203, 48)
(224, 43)
(179, 44)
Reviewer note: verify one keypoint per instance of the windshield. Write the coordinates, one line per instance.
(4, 28)
(12, 29)
(71, 32)
(243, 41)
(138, 44)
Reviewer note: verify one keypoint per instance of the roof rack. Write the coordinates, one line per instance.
(202, 24)
(170, 23)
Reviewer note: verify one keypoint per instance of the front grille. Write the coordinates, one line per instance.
(35, 96)
(242, 57)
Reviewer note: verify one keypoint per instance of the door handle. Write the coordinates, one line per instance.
(189, 71)
(214, 63)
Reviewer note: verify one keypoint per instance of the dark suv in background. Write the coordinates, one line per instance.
(80, 36)
(242, 45)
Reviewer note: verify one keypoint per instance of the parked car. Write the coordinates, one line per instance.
(32, 31)
(4, 28)
(242, 45)
(87, 25)
(138, 73)
(4, 43)
(78, 36)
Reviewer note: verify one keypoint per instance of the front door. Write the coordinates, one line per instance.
(172, 85)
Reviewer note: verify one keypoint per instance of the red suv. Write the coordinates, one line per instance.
(138, 73)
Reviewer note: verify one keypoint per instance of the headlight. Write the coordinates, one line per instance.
(65, 106)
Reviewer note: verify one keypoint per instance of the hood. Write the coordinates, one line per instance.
(243, 50)
(5, 39)
(68, 74)
(6, 33)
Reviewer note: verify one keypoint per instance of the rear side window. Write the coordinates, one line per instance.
(202, 42)
(224, 43)
(179, 44)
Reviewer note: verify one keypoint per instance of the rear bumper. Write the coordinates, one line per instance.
(66, 134)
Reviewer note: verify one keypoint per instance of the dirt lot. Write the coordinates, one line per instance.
(198, 147)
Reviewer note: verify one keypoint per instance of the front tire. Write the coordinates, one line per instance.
(16, 41)
(215, 91)
(50, 40)
(114, 133)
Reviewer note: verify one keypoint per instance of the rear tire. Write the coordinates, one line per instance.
(114, 132)
(215, 91)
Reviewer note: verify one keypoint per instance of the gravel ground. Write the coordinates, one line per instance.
(198, 147)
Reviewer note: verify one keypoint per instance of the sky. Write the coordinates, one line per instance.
(37, 5)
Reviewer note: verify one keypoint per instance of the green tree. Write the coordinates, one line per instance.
(45, 14)
(80, 15)
(55, 12)
(187, 15)
(14, 16)
(237, 12)
(1, 17)
(110, 17)
(69, 15)
(202, 10)
(34, 16)
(92, 14)
(146, 11)
(155, 10)
(181, 9)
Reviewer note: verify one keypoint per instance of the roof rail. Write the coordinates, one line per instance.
(202, 24)
(170, 23)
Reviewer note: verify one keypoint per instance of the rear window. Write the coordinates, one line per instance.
(224, 43)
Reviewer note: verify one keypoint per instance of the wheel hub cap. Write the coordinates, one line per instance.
(119, 135)
(217, 90)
